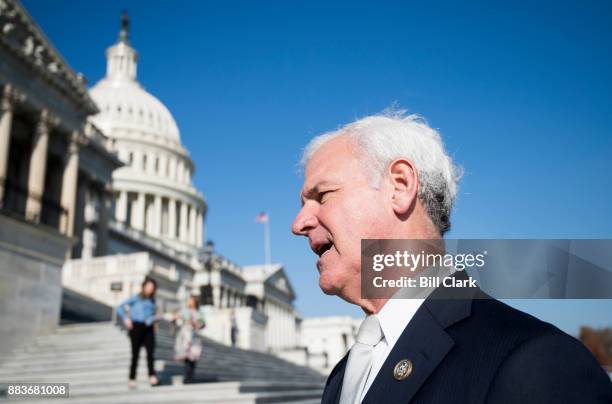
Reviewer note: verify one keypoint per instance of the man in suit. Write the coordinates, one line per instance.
(389, 177)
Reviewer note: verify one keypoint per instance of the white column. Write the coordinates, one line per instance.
(172, 169)
(137, 160)
(199, 224)
(6, 119)
(274, 319)
(151, 161)
(38, 167)
(69, 186)
(139, 212)
(192, 224)
(279, 323)
(183, 229)
(179, 171)
(105, 211)
(89, 243)
(148, 226)
(216, 292)
(270, 326)
(281, 335)
(157, 216)
(121, 207)
(163, 166)
(187, 175)
(282, 327)
(288, 328)
(171, 218)
(281, 318)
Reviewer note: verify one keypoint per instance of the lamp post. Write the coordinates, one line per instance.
(207, 257)
(208, 254)
(116, 288)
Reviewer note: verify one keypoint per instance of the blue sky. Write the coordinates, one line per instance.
(520, 92)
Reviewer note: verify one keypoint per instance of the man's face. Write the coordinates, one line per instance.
(340, 208)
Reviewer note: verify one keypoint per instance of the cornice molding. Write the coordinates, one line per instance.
(23, 38)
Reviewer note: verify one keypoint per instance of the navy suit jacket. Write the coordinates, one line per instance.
(480, 350)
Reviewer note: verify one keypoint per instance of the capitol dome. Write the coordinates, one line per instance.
(125, 106)
(154, 193)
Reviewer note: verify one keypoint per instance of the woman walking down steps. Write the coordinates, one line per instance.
(140, 321)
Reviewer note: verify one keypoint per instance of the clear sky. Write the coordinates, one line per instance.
(520, 92)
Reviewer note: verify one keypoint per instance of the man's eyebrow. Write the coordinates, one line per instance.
(312, 192)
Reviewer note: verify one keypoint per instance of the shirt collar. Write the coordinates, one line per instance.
(395, 316)
(397, 312)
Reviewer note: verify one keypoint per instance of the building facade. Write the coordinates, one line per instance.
(154, 219)
(96, 194)
(328, 339)
(153, 224)
(47, 150)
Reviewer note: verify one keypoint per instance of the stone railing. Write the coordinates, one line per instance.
(93, 277)
(105, 266)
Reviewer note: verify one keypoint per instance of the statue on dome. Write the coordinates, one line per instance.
(125, 27)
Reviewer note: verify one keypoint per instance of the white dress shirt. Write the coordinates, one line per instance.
(393, 317)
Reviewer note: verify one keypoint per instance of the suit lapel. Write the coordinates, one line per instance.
(333, 386)
(424, 342)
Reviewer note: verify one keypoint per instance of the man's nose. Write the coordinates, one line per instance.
(304, 221)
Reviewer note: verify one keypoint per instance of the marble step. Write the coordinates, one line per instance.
(211, 357)
(87, 363)
(75, 376)
(205, 393)
(79, 353)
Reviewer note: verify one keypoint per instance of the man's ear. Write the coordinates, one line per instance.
(405, 182)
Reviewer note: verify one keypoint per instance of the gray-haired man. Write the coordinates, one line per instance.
(389, 177)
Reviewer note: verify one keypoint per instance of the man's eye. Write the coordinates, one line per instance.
(323, 196)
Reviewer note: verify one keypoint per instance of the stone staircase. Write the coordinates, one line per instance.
(94, 357)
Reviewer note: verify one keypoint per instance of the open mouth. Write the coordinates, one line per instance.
(323, 248)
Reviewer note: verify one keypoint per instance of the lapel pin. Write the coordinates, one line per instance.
(402, 370)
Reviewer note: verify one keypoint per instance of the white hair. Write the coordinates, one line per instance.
(385, 137)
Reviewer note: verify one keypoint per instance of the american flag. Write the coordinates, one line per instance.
(262, 217)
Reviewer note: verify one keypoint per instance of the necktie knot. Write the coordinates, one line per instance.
(370, 332)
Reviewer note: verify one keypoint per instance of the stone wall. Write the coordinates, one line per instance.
(31, 258)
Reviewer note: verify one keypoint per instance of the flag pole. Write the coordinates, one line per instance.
(267, 240)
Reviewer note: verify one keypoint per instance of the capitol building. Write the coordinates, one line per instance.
(154, 215)
(96, 194)
(156, 222)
